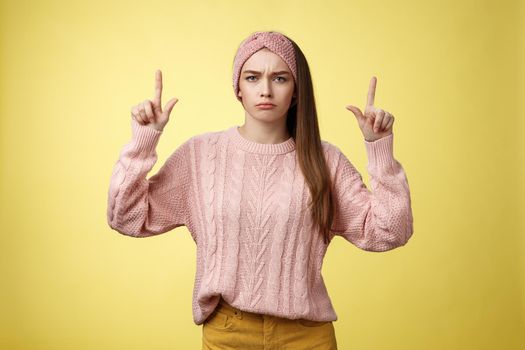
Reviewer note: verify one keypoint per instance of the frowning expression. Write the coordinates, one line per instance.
(266, 78)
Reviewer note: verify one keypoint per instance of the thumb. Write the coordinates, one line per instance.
(169, 106)
(357, 112)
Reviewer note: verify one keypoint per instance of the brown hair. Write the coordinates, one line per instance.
(303, 126)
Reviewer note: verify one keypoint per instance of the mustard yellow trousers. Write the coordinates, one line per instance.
(229, 328)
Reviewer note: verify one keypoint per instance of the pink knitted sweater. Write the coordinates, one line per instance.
(244, 205)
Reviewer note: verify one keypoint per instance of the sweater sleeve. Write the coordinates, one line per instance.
(377, 220)
(143, 207)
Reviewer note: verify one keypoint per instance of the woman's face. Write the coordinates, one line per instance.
(265, 77)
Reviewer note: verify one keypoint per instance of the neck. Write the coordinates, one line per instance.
(264, 132)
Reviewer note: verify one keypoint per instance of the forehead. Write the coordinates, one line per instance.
(265, 58)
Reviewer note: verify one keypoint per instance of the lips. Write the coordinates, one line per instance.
(265, 104)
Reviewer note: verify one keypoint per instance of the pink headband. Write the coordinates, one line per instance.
(274, 41)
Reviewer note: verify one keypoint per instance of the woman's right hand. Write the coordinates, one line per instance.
(150, 112)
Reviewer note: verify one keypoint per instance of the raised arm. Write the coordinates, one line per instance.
(382, 219)
(143, 207)
(377, 220)
(140, 207)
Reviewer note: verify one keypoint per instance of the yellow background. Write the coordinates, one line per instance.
(450, 71)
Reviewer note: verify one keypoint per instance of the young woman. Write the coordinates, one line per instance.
(262, 201)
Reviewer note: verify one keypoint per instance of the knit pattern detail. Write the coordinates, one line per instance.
(282, 212)
(235, 189)
(245, 205)
(304, 240)
(261, 206)
(221, 208)
(209, 164)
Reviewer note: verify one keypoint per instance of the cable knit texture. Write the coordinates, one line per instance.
(244, 204)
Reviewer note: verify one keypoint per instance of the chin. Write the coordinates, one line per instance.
(268, 116)
(265, 115)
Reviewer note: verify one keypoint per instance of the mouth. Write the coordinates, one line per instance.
(265, 105)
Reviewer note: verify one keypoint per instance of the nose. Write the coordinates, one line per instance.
(266, 90)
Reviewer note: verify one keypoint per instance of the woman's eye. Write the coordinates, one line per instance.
(253, 76)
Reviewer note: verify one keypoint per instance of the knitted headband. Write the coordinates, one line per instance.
(274, 41)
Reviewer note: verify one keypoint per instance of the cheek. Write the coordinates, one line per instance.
(289, 91)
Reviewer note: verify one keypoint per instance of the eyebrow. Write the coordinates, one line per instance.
(256, 72)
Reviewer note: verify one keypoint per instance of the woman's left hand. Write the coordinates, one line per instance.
(376, 122)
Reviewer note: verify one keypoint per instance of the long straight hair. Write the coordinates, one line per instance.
(303, 126)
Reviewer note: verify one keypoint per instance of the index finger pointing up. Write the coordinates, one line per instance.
(158, 87)
(371, 92)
